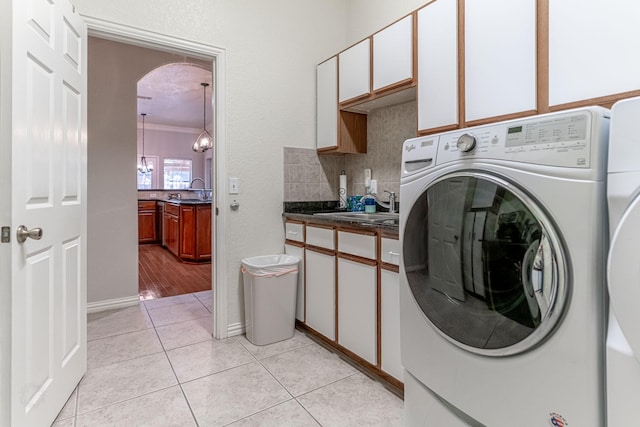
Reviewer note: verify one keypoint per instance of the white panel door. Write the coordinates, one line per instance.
(357, 324)
(321, 292)
(438, 64)
(297, 251)
(592, 49)
(393, 54)
(500, 57)
(48, 277)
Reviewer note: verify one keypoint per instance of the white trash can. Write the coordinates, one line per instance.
(270, 287)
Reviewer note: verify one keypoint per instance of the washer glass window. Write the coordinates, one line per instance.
(484, 264)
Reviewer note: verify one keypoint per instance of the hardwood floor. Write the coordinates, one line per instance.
(160, 274)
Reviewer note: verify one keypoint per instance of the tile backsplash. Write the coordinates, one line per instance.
(309, 177)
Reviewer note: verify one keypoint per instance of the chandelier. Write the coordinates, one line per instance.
(143, 166)
(204, 141)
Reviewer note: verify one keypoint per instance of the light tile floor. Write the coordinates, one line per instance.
(156, 364)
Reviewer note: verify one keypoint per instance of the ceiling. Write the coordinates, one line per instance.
(172, 95)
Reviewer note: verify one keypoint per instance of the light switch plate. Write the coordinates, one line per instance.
(234, 186)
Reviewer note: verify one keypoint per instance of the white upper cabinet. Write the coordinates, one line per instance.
(500, 57)
(355, 71)
(438, 65)
(593, 49)
(393, 54)
(327, 104)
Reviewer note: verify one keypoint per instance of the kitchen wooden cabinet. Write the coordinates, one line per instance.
(438, 66)
(354, 71)
(592, 50)
(187, 231)
(500, 59)
(172, 228)
(336, 131)
(147, 222)
(393, 56)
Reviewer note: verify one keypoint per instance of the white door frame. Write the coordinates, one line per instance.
(138, 37)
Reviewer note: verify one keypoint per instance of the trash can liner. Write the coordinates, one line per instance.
(259, 272)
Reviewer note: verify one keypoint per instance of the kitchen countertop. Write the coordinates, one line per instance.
(353, 220)
(181, 201)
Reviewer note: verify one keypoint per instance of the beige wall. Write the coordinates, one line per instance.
(365, 17)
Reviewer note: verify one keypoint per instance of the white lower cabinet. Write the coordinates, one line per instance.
(357, 308)
(298, 251)
(390, 324)
(320, 292)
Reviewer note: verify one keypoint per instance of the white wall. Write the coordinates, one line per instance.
(171, 144)
(365, 17)
(272, 50)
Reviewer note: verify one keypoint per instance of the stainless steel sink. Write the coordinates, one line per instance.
(376, 218)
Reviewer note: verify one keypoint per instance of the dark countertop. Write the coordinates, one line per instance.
(180, 201)
(390, 227)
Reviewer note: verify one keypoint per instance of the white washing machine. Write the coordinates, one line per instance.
(502, 276)
(623, 336)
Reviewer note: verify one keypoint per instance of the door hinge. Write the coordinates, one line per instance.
(216, 211)
(6, 234)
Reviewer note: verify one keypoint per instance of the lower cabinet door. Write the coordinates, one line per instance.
(297, 251)
(321, 295)
(357, 308)
(390, 324)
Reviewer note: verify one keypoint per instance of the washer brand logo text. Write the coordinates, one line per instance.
(557, 420)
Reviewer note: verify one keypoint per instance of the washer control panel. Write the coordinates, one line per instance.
(558, 139)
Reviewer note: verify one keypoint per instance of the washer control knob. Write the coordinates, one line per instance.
(466, 142)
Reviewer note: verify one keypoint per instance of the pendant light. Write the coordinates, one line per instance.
(143, 166)
(204, 141)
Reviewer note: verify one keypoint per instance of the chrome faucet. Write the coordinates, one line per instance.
(197, 179)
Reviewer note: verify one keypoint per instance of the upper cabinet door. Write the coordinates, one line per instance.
(327, 104)
(593, 51)
(355, 71)
(393, 54)
(500, 57)
(438, 65)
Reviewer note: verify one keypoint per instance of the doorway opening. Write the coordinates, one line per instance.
(175, 193)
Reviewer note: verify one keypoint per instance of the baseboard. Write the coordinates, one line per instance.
(110, 304)
(235, 329)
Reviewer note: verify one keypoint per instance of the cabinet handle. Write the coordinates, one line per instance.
(394, 253)
(294, 233)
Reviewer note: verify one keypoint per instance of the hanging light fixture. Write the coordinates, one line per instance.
(204, 141)
(143, 166)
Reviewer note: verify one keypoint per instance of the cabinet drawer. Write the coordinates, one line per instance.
(146, 205)
(172, 209)
(390, 251)
(322, 237)
(294, 231)
(363, 245)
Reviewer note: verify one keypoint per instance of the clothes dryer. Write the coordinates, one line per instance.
(503, 231)
(623, 272)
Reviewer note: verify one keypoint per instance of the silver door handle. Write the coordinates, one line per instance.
(23, 233)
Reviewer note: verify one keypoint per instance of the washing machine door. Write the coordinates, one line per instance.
(623, 275)
(484, 264)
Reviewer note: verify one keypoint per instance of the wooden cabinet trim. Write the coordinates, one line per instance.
(389, 267)
(347, 229)
(294, 243)
(319, 225)
(496, 119)
(355, 258)
(320, 250)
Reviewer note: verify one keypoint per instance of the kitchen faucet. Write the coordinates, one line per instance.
(391, 205)
(197, 179)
